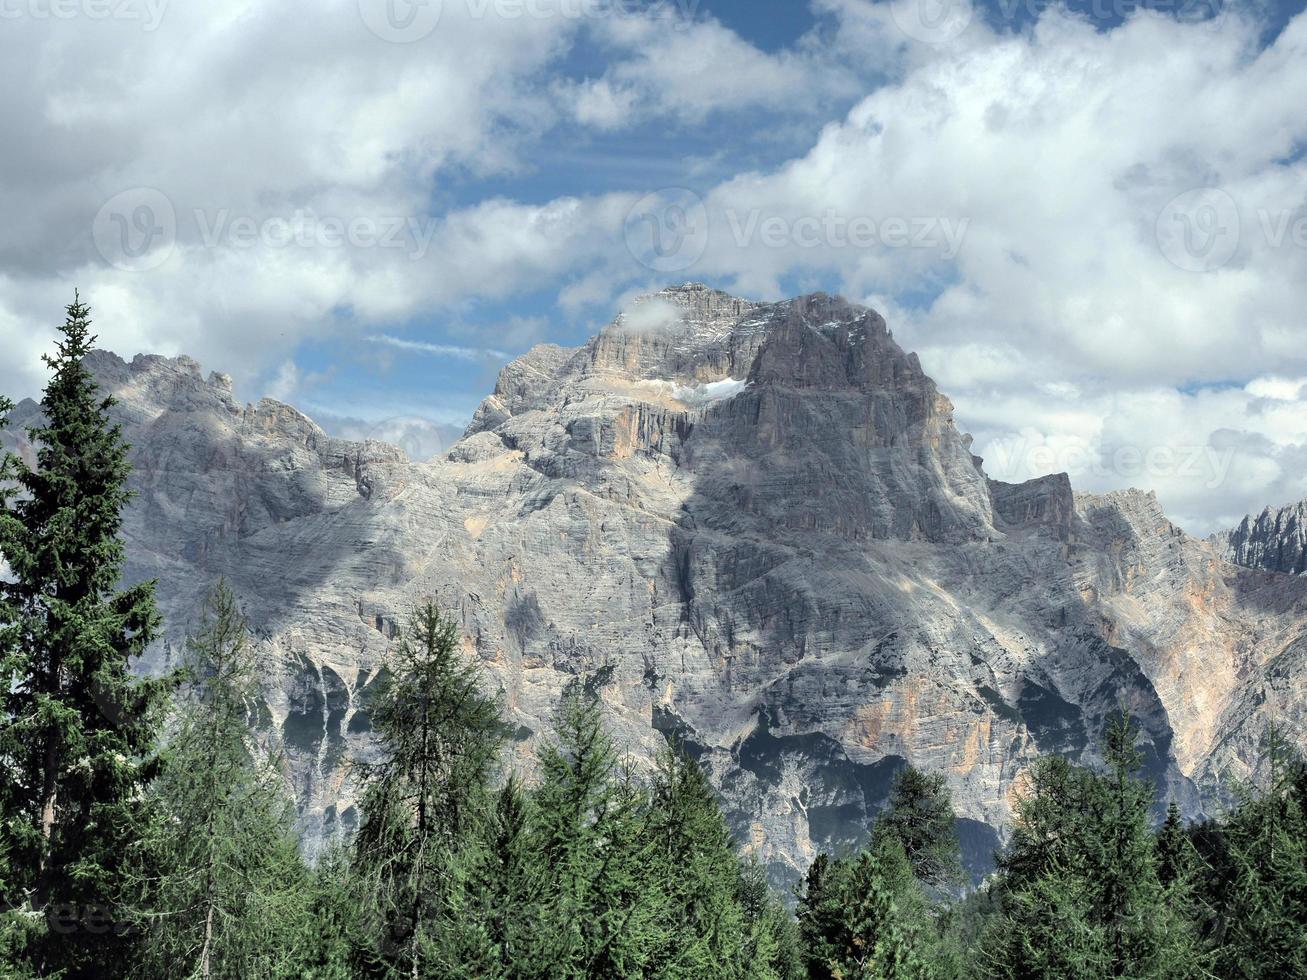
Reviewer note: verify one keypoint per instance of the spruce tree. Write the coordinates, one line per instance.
(696, 874)
(333, 926)
(223, 889)
(1079, 884)
(77, 732)
(508, 902)
(424, 803)
(819, 917)
(1175, 855)
(920, 815)
(772, 944)
(600, 913)
(1263, 902)
(866, 917)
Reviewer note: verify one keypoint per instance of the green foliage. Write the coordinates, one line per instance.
(1257, 889)
(1079, 886)
(439, 736)
(509, 901)
(694, 872)
(772, 945)
(866, 916)
(598, 913)
(333, 925)
(920, 816)
(223, 889)
(77, 739)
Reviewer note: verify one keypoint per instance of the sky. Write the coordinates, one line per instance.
(1088, 218)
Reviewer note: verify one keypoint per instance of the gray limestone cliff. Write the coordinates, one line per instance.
(1275, 540)
(764, 520)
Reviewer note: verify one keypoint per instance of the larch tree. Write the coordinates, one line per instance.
(439, 736)
(223, 891)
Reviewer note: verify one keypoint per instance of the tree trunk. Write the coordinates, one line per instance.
(49, 798)
(206, 955)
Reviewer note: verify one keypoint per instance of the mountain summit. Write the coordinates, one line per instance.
(763, 523)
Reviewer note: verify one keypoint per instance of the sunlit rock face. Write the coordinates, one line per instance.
(762, 519)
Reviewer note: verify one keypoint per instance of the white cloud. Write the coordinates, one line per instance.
(1061, 321)
(440, 350)
(600, 103)
(650, 315)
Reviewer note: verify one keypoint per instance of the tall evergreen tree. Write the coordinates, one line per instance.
(920, 815)
(696, 874)
(599, 910)
(76, 742)
(223, 886)
(1262, 904)
(866, 917)
(425, 800)
(1079, 884)
(772, 944)
(819, 917)
(334, 924)
(1176, 858)
(508, 901)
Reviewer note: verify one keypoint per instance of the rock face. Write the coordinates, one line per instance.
(1276, 540)
(764, 521)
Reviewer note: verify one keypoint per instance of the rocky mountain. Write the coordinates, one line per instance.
(762, 520)
(1275, 540)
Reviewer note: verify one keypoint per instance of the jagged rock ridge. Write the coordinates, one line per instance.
(763, 519)
(1275, 540)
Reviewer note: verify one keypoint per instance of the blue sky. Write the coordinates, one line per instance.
(1090, 219)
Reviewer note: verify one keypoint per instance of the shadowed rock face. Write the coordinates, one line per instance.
(1276, 540)
(763, 520)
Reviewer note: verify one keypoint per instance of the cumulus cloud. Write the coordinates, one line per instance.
(651, 315)
(1096, 239)
(420, 438)
(1085, 309)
